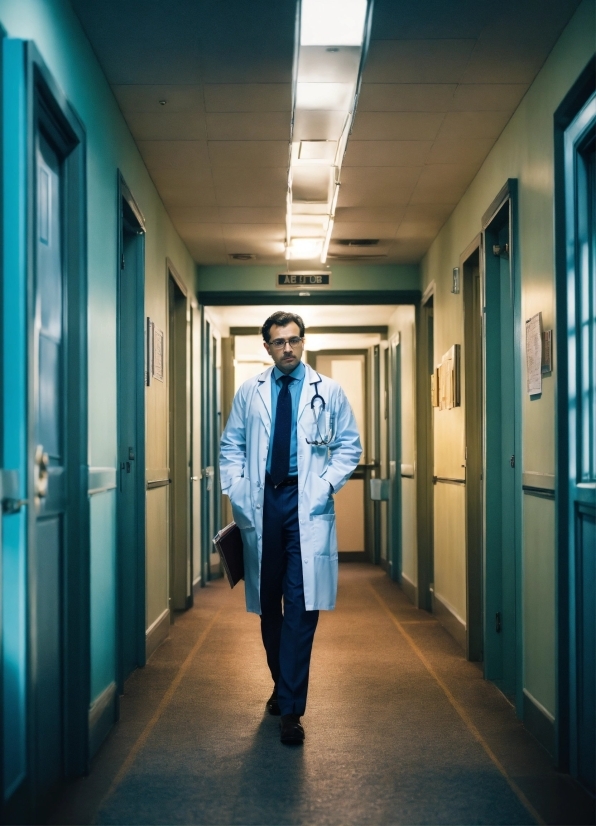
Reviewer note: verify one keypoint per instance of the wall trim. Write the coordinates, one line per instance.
(103, 713)
(359, 297)
(101, 479)
(409, 589)
(157, 633)
(539, 484)
(453, 624)
(539, 722)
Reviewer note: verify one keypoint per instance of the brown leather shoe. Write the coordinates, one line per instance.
(292, 733)
(272, 705)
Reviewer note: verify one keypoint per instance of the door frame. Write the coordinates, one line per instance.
(365, 469)
(493, 654)
(139, 380)
(566, 665)
(172, 273)
(425, 454)
(473, 410)
(394, 537)
(48, 108)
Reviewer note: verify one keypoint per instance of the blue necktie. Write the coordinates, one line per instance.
(280, 452)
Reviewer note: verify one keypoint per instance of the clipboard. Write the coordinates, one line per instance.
(228, 543)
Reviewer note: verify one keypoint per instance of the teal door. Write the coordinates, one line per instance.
(131, 439)
(578, 502)
(502, 460)
(49, 475)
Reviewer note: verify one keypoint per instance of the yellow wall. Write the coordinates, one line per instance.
(524, 151)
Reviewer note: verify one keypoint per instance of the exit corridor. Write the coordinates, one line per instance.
(399, 728)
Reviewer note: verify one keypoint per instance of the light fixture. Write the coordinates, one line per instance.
(332, 22)
(326, 83)
(455, 281)
(304, 248)
(326, 96)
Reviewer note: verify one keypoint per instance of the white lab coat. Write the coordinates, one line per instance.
(243, 460)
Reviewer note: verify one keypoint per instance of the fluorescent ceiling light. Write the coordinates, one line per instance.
(332, 22)
(328, 96)
(305, 248)
(317, 150)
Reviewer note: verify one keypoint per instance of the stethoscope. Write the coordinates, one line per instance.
(321, 440)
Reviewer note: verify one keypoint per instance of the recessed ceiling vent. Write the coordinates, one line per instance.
(356, 242)
(242, 256)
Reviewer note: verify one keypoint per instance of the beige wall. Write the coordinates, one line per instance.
(161, 242)
(524, 151)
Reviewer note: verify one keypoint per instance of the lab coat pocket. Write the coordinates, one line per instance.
(320, 495)
(324, 537)
(239, 495)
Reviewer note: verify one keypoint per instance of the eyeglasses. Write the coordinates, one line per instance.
(280, 343)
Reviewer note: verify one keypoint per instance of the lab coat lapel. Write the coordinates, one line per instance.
(264, 391)
(310, 378)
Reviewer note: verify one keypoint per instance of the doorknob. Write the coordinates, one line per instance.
(42, 464)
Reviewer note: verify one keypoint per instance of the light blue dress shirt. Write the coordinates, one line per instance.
(295, 390)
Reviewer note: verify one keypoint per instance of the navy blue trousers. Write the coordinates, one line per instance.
(287, 634)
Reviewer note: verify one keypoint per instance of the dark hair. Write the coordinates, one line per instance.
(281, 319)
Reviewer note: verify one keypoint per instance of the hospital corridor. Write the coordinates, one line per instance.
(299, 297)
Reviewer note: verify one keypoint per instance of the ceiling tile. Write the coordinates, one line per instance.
(381, 215)
(187, 195)
(429, 18)
(252, 215)
(247, 195)
(164, 126)
(248, 97)
(200, 232)
(456, 150)
(417, 61)
(248, 176)
(408, 251)
(265, 239)
(194, 215)
(469, 125)
(174, 154)
(484, 97)
(404, 126)
(147, 98)
(378, 186)
(248, 126)
(207, 252)
(406, 97)
(362, 229)
(171, 177)
(442, 183)
(387, 153)
(249, 153)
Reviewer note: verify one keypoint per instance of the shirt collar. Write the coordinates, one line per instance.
(297, 373)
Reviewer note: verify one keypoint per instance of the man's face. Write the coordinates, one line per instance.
(285, 356)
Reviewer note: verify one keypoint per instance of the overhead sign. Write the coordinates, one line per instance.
(291, 280)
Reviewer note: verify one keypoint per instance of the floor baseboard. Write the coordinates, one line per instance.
(452, 624)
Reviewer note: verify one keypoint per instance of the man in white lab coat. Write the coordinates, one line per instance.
(291, 441)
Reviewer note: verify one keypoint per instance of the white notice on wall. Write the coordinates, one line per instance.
(534, 354)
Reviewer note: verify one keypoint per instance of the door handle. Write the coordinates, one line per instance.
(42, 464)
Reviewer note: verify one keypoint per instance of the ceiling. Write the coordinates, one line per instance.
(205, 88)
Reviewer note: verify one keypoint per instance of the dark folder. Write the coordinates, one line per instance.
(229, 544)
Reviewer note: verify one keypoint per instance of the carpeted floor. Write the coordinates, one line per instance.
(400, 729)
